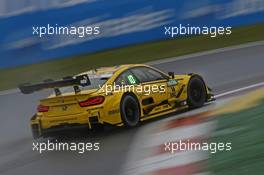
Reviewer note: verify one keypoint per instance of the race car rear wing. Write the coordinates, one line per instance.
(80, 80)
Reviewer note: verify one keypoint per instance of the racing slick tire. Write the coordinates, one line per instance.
(196, 92)
(130, 111)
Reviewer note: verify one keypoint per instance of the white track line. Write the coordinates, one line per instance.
(8, 92)
(240, 90)
(209, 52)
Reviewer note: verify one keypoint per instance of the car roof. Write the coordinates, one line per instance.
(111, 69)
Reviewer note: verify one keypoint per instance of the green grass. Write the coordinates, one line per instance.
(10, 78)
(247, 154)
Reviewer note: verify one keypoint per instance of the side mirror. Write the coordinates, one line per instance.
(171, 74)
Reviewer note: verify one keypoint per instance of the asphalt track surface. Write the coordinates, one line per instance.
(223, 71)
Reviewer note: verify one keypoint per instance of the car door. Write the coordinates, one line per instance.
(154, 86)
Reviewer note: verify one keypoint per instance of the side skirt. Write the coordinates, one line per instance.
(163, 113)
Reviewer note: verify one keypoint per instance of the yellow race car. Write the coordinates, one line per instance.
(119, 96)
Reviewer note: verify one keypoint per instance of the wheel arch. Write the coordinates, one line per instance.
(191, 75)
(192, 103)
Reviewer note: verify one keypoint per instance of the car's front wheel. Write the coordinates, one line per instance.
(196, 92)
(130, 110)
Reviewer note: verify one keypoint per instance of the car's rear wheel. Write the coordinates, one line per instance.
(196, 92)
(130, 110)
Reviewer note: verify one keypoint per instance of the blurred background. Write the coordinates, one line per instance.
(122, 23)
(132, 31)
